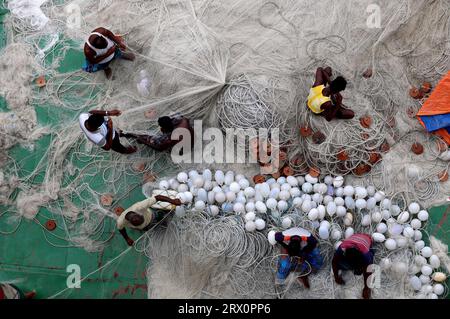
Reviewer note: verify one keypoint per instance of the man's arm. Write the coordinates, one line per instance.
(93, 58)
(337, 277)
(110, 134)
(106, 113)
(161, 198)
(311, 245)
(107, 33)
(124, 233)
(366, 292)
(323, 76)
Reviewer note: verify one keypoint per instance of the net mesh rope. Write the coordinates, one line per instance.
(234, 64)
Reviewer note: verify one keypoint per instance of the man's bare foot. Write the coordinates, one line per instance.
(108, 73)
(328, 71)
(30, 295)
(131, 150)
(305, 282)
(128, 56)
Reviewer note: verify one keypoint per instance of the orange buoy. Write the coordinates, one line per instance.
(305, 131)
(41, 82)
(139, 167)
(288, 171)
(283, 156)
(259, 179)
(426, 87)
(417, 148)
(343, 156)
(415, 93)
(362, 169)
(366, 121)
(314, 172)
(374, 158)
(119, 210)
(365, 136)
(106, 200)
(385, 147)
(50, 225)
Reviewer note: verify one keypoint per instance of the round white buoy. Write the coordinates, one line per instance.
(182, 177)
(390, 244)
(423, 215)
(286, 223)
(426, 252)
(271, 237)
(250, 226)
(260, 224)
(214, 210)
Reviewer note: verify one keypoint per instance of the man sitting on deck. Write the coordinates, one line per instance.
(325, 98)
(101, 48)
(300, 254)
(143, 215)
(164, 141)
(355, 254)
(98, 128)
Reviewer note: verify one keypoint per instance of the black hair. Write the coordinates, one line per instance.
(95, 121)
(99, 42)
(356, 259)
(339, 84)
(166, 124)
(294, 246)
(134, 218)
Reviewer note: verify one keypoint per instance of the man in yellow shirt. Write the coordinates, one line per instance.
(325, 98)
(143, 215)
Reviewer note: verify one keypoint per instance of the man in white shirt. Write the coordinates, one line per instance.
(98, 128)
(143, 215)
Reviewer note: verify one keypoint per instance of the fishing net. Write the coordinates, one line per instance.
(234, 64)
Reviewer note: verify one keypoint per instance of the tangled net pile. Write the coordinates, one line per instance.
(234, 64)
(216, 246)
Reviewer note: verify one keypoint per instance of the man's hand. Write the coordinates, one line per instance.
(367, 293)
(115, 113)
(130, 242)
(279, 237)
(339, 280)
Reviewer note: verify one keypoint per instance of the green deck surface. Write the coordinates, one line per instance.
(27, 256)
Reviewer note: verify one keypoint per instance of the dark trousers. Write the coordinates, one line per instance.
(117, 146)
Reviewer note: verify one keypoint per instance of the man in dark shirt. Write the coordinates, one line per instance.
(300, 254)
(164, 141)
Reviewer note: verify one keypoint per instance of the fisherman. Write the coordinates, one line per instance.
(98, 128)
(10, 291)
(325, 98)
(354, 254)
(101, 48)
(145, 214)
(300, 253)
(163, 141)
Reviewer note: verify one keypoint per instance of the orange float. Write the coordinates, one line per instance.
(417, 148)
(366, 121)
(314, 172)
(259, 179)
(106, 200)
(288, 171)
(41, 82)
(443, 176)
(119, 210)
(305, 131)
(50, 225)
(343, 156)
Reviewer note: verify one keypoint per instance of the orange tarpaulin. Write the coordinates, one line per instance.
(438, 104)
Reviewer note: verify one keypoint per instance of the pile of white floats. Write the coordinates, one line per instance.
(331, 207)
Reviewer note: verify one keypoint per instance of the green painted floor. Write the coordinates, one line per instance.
(30, 256)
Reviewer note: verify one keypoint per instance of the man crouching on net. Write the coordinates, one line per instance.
(325, 97)
(163, 141)
(101, 48)
(98, 128)
(300, 254)
(354, 254)
(144, 215)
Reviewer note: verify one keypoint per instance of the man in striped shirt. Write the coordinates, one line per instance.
(354, 254)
